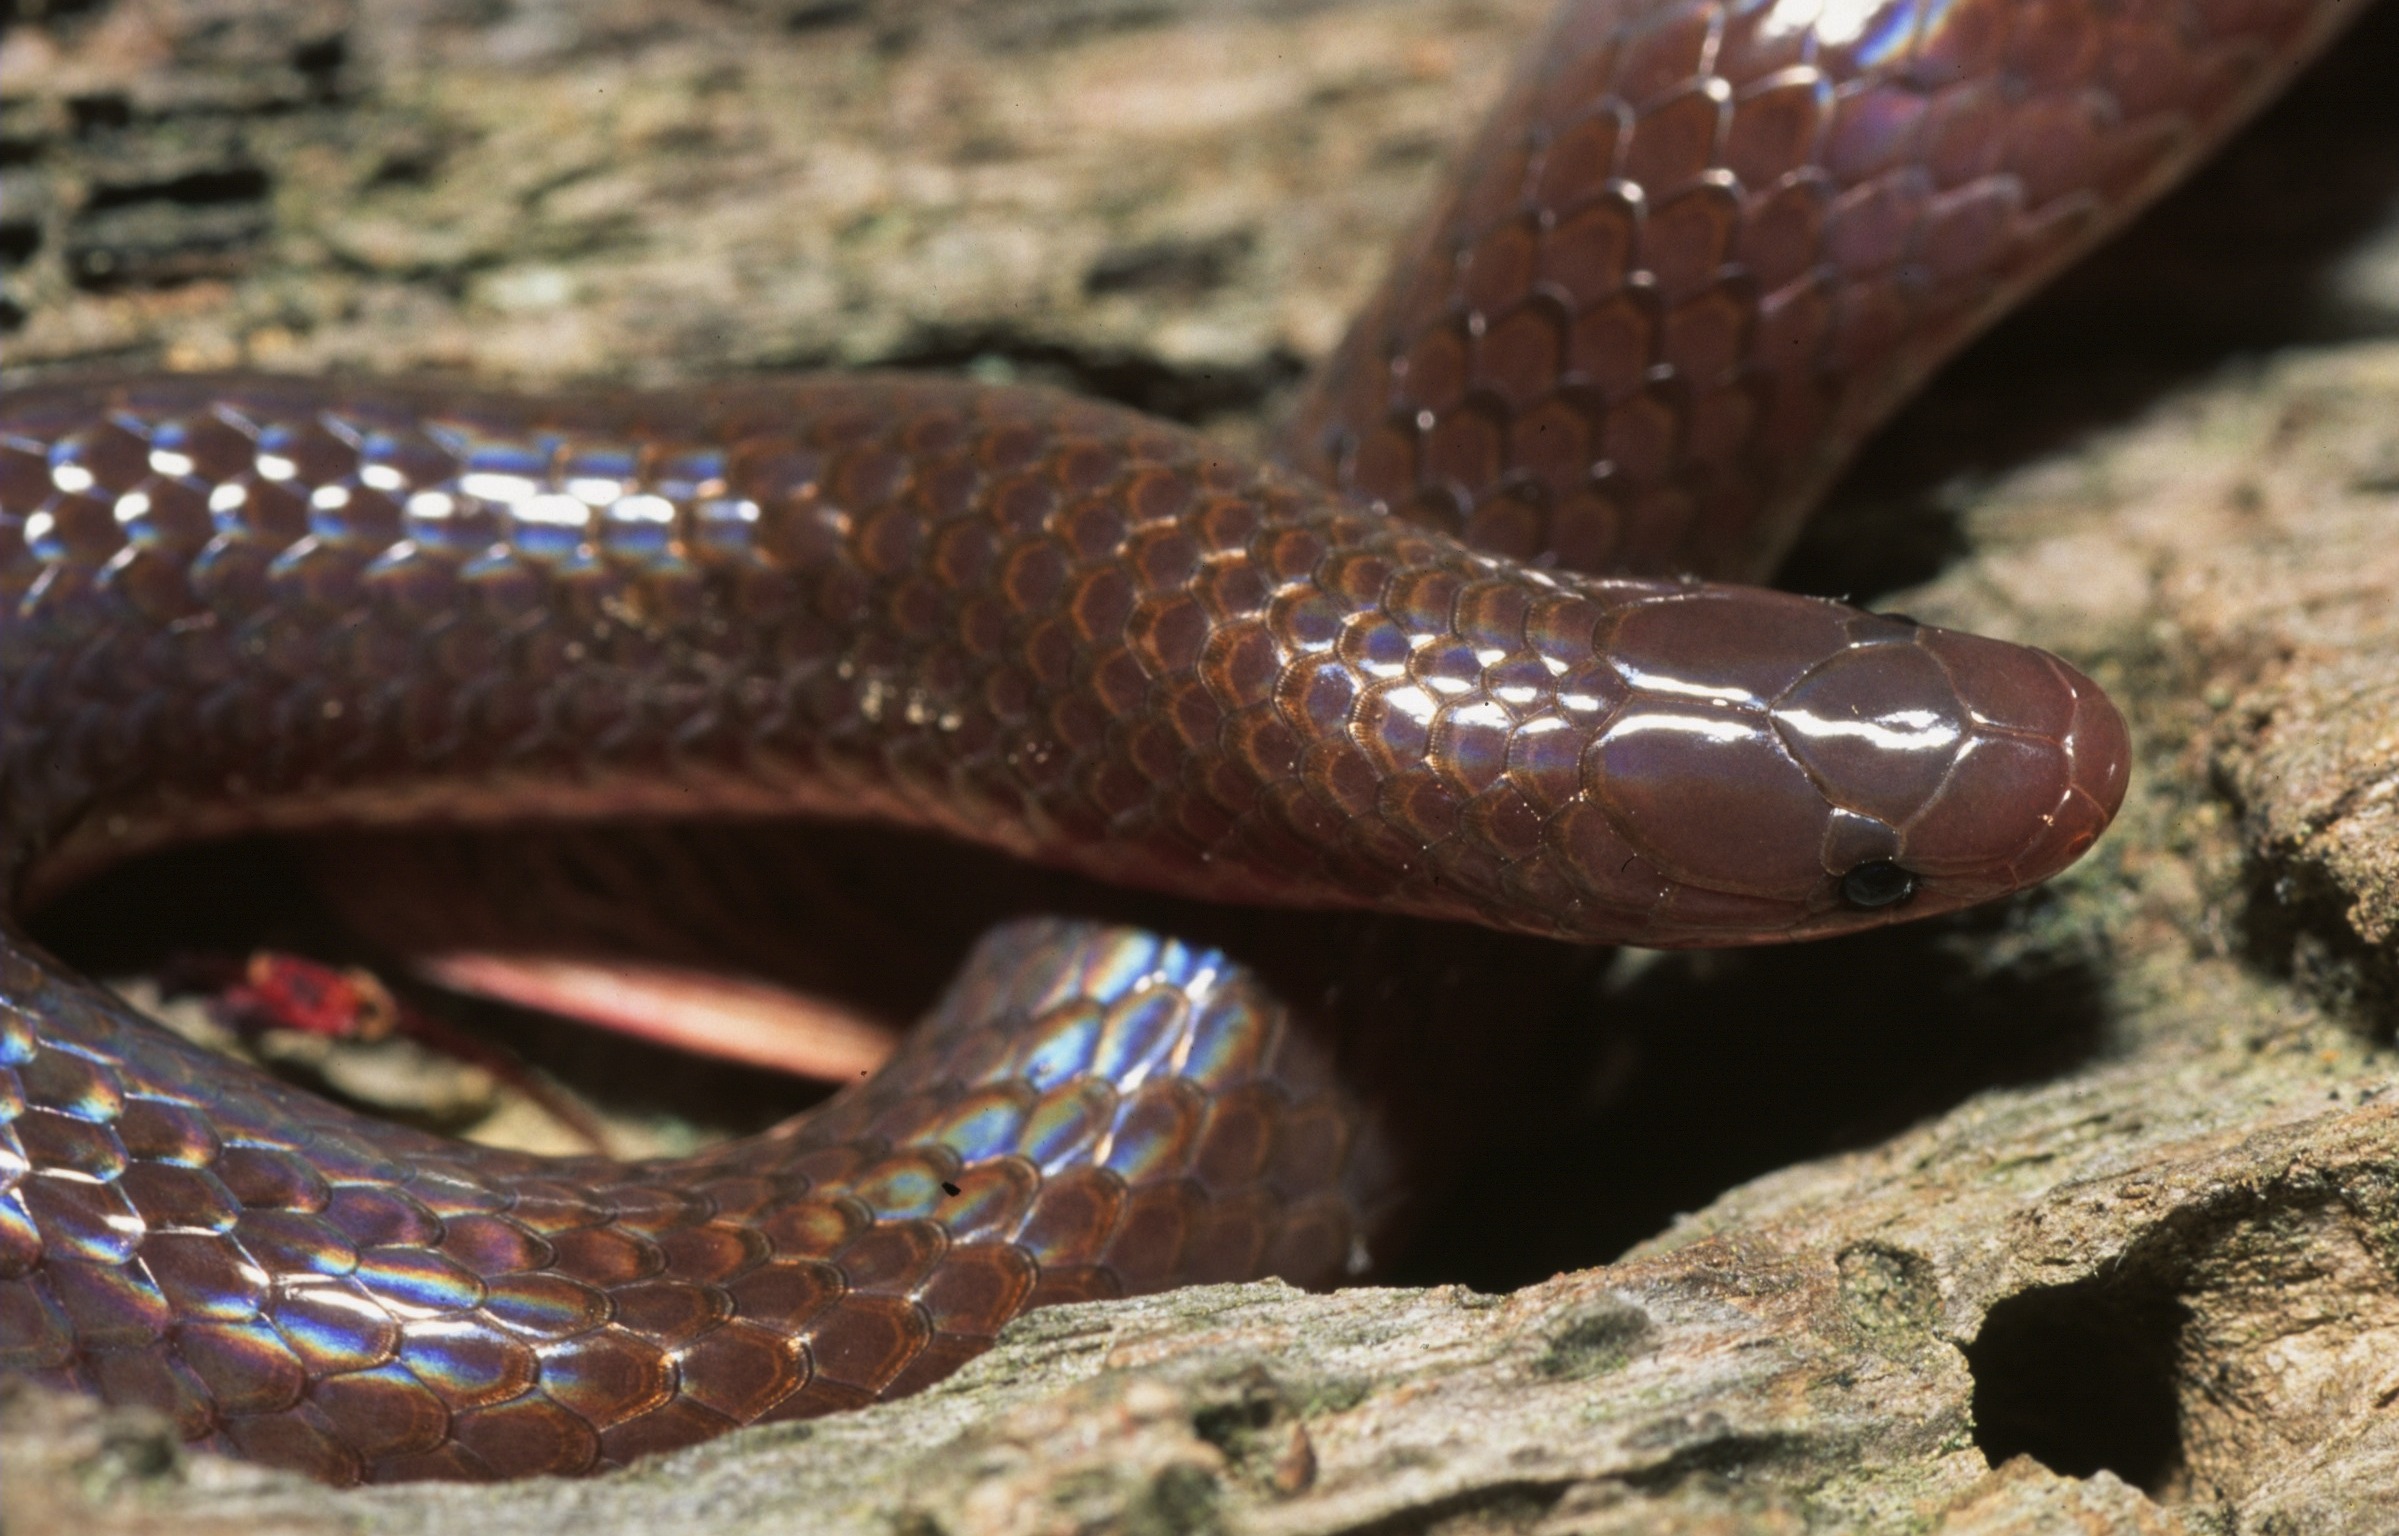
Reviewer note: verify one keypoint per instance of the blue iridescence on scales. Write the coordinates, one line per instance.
(1037, 622)
(300, 1293)
(1699, 251)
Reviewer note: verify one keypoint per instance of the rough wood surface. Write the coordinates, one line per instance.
(2082, 1215)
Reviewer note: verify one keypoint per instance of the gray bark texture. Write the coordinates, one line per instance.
(2077, 1216)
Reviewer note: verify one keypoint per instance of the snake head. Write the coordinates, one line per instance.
(1781, 767)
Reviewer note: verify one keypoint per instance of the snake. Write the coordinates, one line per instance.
(1475, 642)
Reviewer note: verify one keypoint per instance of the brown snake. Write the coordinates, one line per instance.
(1699, 252)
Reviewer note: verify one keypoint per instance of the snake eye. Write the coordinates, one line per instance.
(1877, 883)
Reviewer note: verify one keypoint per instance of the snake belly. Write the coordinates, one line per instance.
(1700, 251)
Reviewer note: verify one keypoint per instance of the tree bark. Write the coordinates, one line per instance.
(2082, 1213)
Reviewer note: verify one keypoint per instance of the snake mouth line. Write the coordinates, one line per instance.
(1694, 258)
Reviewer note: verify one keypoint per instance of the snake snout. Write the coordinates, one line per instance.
(1881, 770)
(1972, 769)
(2041, 776)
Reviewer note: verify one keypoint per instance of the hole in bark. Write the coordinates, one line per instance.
(19, 239)
(1184, 267)
(98, 111)
(231, 184)
(817, 15)
(2082, 1378)
(35, 11)
(322, 56)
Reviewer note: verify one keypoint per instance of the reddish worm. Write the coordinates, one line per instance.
(1460, 654)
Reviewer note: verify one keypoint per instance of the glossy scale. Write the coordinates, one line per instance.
(1700, 251)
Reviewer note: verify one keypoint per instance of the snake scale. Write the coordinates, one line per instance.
(1463, 650)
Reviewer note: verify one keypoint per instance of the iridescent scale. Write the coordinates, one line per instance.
(1700, 251)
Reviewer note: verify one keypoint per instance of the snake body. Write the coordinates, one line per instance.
(1700, 251)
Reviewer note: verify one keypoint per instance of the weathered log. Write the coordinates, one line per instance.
(2081, 1214)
